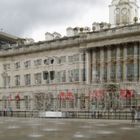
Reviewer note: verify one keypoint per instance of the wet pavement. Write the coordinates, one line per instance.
(65, 129)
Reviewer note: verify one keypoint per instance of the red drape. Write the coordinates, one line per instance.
(17, 97)
(127, 94)
(97, 94)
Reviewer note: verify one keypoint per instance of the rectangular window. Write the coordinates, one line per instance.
(27, 102)
(27, 64)
(113, 72)
(17, 65)
(61, 60)
(130, 51)
(38, 62)
(105, 54)
(73, 75)
(97, 54)
(73, 58)
(97, 72)
(130, 71)
(105, 73)
(76, 58)
(61, 76)
(70, 59)
(121, 52)
(17, 104)
(83, 74)
(58, 76)
(70, 75)
(6, 81)
(120, 71)
(76, 75)
(113, 53)
(6, 67)
(17, 80)
(27, 79)
(38, 78)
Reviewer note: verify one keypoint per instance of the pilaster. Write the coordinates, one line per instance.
(102, 65)
(88, 67)
(125, 64)
(135, 62)
(93, 61)
(109, 64)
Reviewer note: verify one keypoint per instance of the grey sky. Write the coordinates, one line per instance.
(32, 18)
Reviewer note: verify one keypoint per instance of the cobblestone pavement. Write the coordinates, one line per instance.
(67, 129)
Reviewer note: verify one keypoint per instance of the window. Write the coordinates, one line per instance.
(61, 60)
(130, 71)
(73, 58)
(61, 76)
(52, 75)
(113, 53)
(113, 72)
(27, 102)
(70, 59)
(49, 61)
(46, 61)
(98, 73)
(27, 64)
(58, 77)
(45, 75)
(27, 79)
(120, 71)
(6, 81)
(105, 73)
(17, 65)
(130, 51)
(121, 52)
(17, 101)
(73, 75)
(6, 67)
(17, 80)
(76, 75)
(76, 57)
(83, 74)
(38, 62)
(37, 78)
(105, 54)
(97, 53)
(83, 57)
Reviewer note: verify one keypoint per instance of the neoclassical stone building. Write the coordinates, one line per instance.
(87, 70)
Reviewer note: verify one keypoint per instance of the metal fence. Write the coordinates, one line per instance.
(114, 115)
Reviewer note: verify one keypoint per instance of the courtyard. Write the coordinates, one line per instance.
(67, 129)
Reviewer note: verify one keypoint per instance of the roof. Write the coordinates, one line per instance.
(5, 37)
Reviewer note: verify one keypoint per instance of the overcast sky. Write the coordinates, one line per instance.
(32, 18)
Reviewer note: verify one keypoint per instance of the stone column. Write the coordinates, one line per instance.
(139, 59)
(93, 66)
(118, 64)
(88, 67)
(125, 64)
(109, 64)
(102, 65)
(135, 62)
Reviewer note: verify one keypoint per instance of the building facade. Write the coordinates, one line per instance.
(98, 70)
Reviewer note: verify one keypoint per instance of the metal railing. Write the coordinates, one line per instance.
(113, 115)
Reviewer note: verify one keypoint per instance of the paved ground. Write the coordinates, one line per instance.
(63, 129)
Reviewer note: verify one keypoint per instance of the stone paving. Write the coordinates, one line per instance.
(67, 129)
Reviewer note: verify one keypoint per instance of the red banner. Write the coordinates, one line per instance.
(17, 97)
(127, 94)
(66, 96)
(97, 94)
